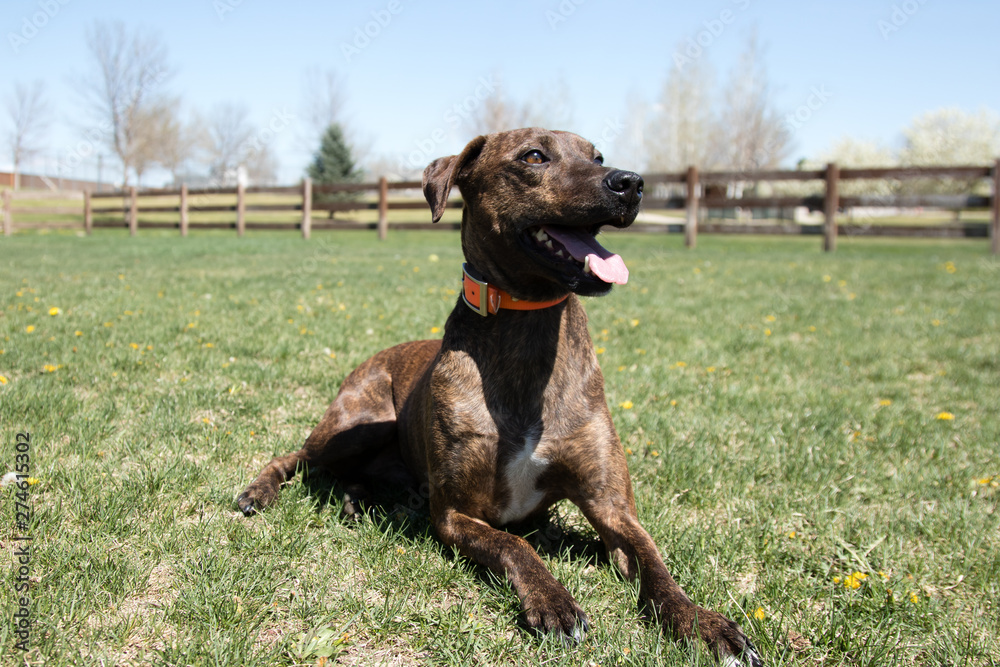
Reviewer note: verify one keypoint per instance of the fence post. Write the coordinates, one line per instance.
(8, 220)
(691, 226)
(184, 209)
(383, 207)
(307, 198)
(830, 202)
(241, 222)
(133, 212)
(995, 227)
(88, 214)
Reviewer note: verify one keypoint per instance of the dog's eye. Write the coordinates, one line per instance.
(599, 159)
(534, 157)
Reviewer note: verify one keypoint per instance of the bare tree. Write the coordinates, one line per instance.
(261, 165)
(752, 133)
(179, 142)
(158, 138)
(682, 130)
(29, 115)
(227, 135)
(129, 70)
(323, 102)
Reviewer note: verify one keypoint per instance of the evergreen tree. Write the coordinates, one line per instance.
(333, 163)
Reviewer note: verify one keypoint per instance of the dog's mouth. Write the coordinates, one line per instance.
(576, 251)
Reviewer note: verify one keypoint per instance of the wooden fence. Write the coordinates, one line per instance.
(696, 190)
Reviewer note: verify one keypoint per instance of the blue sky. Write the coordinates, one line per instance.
(878, 63)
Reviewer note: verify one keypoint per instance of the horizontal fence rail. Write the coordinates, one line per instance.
(692, 191)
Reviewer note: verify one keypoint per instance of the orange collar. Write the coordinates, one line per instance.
(485, 299)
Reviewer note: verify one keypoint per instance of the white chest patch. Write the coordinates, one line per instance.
(521, 474)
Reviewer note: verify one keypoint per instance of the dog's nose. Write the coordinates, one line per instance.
(626, 183)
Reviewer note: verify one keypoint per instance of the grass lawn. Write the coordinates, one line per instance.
(813, 440)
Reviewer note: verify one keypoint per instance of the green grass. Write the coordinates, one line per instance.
(779, 407)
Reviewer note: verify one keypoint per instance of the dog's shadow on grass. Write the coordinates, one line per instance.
(404, 511)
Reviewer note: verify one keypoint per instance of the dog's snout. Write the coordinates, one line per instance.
(628, 184)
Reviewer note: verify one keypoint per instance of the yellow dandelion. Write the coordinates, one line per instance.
(29, 328)
(599, 350)
(654, 453)
(206, 420)
(32, 481)
(628, 450)
(49, 368)
(983, 481)
(853, 581)
(812, 328)
(634, 323)
(53, 311)
(936, 323)
(625, 405)
(3, 380)
(208, 345)
(435, 330)
(759, 614)
(914, 598)
(770, 318)
(134, 346)
(710, 369)
(790, 534)
(836, 580)
(416, 269)
(885, 402)
(945, 416)
(680, 364)
(77, 333)
(827, 279)
(673, 403)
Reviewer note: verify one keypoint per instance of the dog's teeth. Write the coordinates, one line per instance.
(548, 244)
(541, 235)
(586, 264)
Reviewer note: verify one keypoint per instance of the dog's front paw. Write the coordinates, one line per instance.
(555, 611)
(728, 642)
(252, 500)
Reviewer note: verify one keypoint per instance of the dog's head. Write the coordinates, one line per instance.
(534, 201)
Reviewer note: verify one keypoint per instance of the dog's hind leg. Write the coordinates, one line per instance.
(357, 427)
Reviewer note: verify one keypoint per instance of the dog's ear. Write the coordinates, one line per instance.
(441, 174)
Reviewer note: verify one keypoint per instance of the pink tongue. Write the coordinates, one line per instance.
(606, 265)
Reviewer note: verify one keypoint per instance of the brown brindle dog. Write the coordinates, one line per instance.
(507, 414)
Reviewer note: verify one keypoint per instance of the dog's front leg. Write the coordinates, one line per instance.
(632, 549)
(546, 603)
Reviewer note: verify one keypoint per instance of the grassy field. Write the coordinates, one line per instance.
(813, 441)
